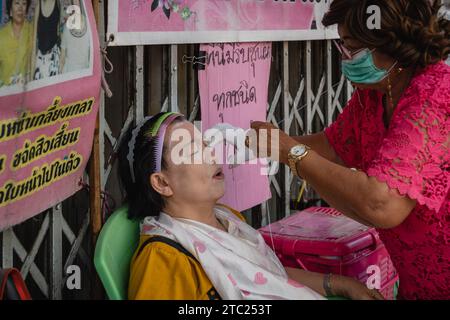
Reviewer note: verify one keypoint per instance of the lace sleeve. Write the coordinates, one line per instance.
(414, 157)
(341, 134)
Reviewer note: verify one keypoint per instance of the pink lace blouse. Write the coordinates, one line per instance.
(411, 156)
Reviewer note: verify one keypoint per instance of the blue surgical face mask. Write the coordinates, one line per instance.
(362, 69)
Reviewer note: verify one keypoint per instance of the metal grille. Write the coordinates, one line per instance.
(306, 93)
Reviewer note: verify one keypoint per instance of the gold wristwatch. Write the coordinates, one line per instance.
(296, 154)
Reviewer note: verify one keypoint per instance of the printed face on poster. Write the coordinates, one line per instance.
(49, 89)
(212, 21)
(43, 42)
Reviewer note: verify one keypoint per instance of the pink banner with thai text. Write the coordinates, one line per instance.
(49, 93)
(205, 21)
(234, 90)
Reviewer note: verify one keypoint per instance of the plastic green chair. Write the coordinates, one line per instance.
(115, 247)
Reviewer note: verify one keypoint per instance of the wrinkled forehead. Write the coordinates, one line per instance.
(181, 131)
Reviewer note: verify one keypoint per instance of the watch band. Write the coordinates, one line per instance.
(327, 285)
(292, 160)
(293, 166)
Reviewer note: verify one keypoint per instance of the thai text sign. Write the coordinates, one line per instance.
(234, 89)
(49, 90)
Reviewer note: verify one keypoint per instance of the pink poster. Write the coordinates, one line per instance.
(234, 90)
(49, 91)
(212, 21)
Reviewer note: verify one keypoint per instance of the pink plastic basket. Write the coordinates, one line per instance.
(323, 240)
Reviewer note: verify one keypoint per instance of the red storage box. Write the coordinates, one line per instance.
(323, 240)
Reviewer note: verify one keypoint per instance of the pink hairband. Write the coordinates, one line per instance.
(160, 143)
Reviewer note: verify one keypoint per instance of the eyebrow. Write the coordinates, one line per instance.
(190, 142)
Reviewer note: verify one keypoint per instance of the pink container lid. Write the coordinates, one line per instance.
(320, 231)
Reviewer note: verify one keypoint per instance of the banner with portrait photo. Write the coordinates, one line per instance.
(49, 89)
(141, 22)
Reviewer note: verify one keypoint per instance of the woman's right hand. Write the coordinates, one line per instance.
(350, 288)
(279, 151)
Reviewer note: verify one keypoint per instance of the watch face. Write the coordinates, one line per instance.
(298, 150)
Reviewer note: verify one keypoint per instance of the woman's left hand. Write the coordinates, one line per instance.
(353, 289)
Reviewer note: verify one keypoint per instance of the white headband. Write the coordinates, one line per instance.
(132, 144)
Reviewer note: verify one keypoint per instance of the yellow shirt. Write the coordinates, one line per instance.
(160, 271)
(15, 54)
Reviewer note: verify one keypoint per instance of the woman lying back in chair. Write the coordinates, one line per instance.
(192, 248)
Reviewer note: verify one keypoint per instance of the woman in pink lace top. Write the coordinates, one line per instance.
(395, 132)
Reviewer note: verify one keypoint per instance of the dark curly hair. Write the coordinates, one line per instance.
(412, 31)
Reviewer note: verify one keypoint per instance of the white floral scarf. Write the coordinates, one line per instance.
(238, 263)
